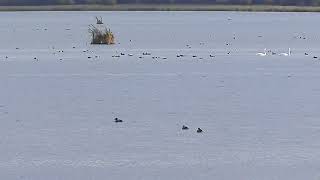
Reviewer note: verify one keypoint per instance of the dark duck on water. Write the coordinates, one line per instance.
(117, 120)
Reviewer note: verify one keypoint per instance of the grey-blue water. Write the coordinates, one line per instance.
(163, 30)
(59, 96)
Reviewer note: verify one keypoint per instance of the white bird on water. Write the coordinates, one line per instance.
(286, 54)
(262, 54)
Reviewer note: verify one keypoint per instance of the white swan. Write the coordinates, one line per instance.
(262, 54)
(286, 54)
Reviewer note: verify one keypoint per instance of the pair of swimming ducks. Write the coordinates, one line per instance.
(199, 130)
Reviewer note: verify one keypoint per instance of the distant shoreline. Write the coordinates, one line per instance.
(163, 7)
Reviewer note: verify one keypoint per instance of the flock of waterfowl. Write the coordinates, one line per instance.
(300, 36)
(187, 54)
(269, 52)
(289, 53)
(89, 55)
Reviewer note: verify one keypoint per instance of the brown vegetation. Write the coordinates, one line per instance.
(101, 35)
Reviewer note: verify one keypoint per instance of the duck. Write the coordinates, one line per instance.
(146, 54)
(199, 130)
(185, 127)
(117, 120)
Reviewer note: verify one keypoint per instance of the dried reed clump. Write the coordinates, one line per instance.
(101, 35)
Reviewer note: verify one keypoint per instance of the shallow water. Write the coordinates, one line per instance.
(259, 114)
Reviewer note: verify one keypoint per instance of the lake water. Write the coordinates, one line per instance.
(59, 96)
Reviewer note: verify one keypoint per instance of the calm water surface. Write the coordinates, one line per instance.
(260, 115)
